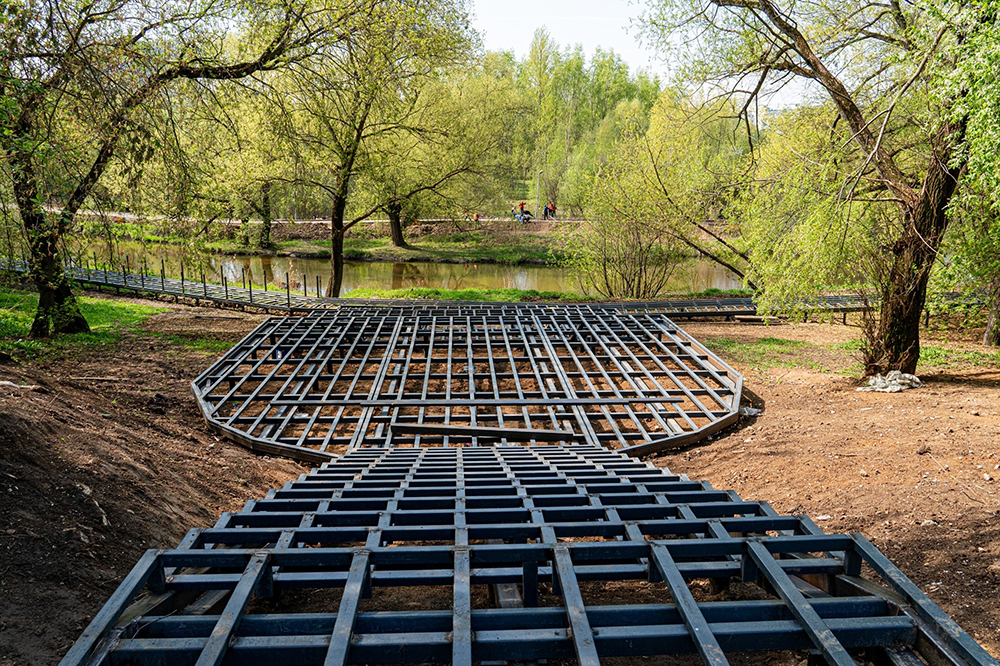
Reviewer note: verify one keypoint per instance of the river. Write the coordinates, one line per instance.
(301, 274)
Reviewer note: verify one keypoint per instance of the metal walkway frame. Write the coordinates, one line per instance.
(289, 302)
(318, 386)
(548, 522)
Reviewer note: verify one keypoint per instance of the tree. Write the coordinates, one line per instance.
(689, 158)
(367, 89)
(881, 66)
(623, 250)
(77, 78)
(451, 163)
(979, 74)
(661, 188)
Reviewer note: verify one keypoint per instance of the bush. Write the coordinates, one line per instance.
(620, 256)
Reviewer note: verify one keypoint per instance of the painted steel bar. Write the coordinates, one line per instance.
(819, 633)
(222, 634)
(343, 629)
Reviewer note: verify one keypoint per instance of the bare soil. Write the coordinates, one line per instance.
(851, 461)
(110, 456)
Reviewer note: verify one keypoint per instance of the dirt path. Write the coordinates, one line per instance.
(92, 471)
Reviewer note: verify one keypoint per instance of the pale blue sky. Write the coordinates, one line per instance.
(509, 24)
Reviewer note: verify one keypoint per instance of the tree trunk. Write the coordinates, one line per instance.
(337, 247)
(265, 215)
(895, 344)
(992, 335)
(395, 211)
(58, 311)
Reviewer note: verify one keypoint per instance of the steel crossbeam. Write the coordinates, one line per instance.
(318, 386)
(554, 521)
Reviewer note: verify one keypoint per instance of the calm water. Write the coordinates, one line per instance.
(302, 274)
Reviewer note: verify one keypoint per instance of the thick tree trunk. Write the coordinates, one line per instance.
(58, 311)
(895, 343)
(992, 335)
(395, 211)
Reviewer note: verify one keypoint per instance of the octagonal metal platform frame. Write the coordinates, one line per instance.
(318, 386)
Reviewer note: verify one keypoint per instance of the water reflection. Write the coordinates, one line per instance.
(310, 275)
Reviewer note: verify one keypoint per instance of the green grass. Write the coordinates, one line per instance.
(850, 345)
(769, 352)
(107, 319)
(718, 293)
(940, 357)
(196, 343)
(501, 295)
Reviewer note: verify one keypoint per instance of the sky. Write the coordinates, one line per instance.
(507, 25)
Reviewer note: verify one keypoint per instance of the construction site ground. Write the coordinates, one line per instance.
(109, 456)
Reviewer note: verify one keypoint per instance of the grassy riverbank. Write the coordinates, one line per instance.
(492, 243)
(521, 295)
(109, 320)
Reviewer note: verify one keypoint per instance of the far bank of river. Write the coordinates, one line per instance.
(301, 274)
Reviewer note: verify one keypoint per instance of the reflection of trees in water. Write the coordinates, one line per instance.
(408, 275)
(246, 269)
(267, 270)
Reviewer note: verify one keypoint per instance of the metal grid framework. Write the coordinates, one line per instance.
(545, 527)
(287, 301)
(315, 387)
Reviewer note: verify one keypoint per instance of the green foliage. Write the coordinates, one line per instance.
(573, 104)
(801, 236)
(657, 194)
(977, 79)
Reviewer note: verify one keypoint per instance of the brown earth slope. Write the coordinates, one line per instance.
(94, 471)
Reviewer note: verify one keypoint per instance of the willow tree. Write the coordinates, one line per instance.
(365, 92)
(979, 74)
(885, 69)
(78, 78)
(454, 158)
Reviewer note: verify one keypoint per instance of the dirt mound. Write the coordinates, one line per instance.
(94, 471)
